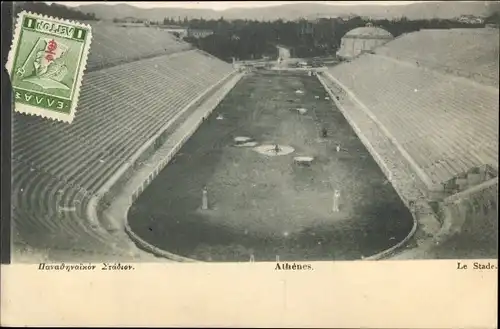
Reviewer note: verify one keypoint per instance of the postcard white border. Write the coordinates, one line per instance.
(375, 294)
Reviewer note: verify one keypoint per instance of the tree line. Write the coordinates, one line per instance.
(249, 39)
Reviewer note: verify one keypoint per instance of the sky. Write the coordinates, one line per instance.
(222, 5)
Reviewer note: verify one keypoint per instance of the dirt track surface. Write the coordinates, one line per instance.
(268, 206)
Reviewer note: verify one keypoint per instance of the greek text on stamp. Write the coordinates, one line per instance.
(46, 64)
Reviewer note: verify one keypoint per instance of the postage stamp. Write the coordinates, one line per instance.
(46, 65)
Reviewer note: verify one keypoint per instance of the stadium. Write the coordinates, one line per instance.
(176, 155)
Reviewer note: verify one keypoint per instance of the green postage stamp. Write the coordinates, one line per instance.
(46, 64)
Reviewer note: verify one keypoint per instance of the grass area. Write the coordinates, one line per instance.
(267, 206)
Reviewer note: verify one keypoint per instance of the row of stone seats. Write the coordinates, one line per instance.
(398, 172)
(472, 53)
(113, 44)
(58, 167)
(43, 221)
(447, 126)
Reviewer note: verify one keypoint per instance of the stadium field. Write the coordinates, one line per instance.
(264, 206)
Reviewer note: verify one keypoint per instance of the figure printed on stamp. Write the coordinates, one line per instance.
(49, 64)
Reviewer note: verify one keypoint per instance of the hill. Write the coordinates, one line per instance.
(421, 10)
(53, 9)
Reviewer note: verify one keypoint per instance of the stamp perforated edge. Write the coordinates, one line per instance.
(48, 114)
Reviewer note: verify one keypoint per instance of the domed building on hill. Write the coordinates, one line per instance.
(362, 39)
